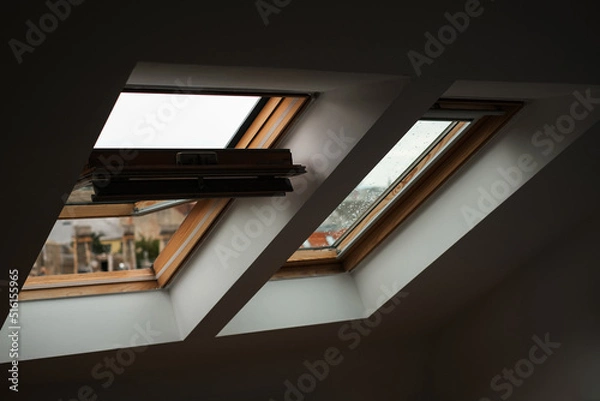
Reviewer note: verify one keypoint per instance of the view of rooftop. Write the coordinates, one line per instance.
(108, 243)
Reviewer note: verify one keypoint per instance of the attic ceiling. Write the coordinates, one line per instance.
(64, 89)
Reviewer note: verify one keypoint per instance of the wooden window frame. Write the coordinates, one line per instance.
(264, 132)
(367, 234)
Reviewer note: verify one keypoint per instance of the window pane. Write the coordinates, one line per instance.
(109, 243)
(410, 149)
(152, 120)
(81, 195)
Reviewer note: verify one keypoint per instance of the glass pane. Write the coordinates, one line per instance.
(81, 195)
(153, 120)
(145, 207)
(109, 243)
(403, 155)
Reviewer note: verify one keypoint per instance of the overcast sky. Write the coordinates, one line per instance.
(146, 120)
(404, 153)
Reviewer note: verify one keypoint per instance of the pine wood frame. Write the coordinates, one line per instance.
(264, 132)
(370, 232)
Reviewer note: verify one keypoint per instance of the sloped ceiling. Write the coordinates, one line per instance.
(392, 360)
(62, 92)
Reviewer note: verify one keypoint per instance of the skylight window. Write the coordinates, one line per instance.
(410, 150)
(134, 216)
(422, 160)
(123, 189)
(181, 121)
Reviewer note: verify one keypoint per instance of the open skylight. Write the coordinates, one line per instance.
(182, 121)
(163, 169)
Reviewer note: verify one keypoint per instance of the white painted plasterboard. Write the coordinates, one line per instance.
(264, 79)
(299, 302)
(437, 225)
(67, 326)
(342, 114)
(440, 222)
